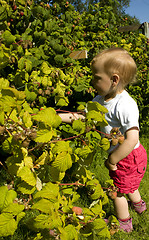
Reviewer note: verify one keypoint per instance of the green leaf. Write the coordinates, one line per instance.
(62, 146)
(55, 174)
(78, 126)
(45, 68)
(51, 221)
(62, 162)
(8, 38)
(13, 208)
(27, 120)
(2, 118)
(97, 208)
(4, 83)
(30, 96)
(28, 161)
(94, 115)
(27, 176)
(28, 65)
(7, 225)
(105, 144)
(45, 206)
(49, 191)
(6, 197)
(13, 116)
(43, 159)
(44, 135)
(21, 63)
(3, 13)
(101, 228)
(96, 107)
(49, 117)
(69, 233)
(61, 101)
(19, 95)
(83, 152)
(8, 103)
(20, 216)
(25, 188)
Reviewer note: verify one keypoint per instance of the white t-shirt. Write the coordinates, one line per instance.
(122, 112)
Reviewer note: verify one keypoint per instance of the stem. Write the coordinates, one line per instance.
(69, 184)
(106, 134)
(65, 139)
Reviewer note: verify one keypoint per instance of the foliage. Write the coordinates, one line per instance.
(47, 160)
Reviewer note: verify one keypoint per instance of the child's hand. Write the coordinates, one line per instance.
(110, 166)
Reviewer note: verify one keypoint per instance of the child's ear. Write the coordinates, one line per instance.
(115, 79)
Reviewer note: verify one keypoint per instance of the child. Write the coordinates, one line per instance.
(113, 69)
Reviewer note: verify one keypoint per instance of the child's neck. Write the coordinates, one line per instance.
(109, 97)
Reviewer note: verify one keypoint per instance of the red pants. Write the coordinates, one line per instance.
(130, 171)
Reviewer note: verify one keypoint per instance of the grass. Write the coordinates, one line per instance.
(140, 222)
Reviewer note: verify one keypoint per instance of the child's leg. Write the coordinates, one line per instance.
(138, 204)
(135, 196)
(121, 207)
(122, 213)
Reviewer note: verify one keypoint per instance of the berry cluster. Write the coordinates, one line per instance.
(116, 136)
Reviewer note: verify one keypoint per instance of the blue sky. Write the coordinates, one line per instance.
(139, 9)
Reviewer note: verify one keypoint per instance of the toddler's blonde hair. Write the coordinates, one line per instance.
(117, 61)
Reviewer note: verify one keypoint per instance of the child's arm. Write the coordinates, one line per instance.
(69, 117)
(122, 151)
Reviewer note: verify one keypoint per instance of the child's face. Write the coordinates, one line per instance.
(102, 82)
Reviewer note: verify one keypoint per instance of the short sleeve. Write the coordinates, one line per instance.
(128, 114)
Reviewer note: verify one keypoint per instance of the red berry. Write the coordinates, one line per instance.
(114, 141)
(14, 7)
(77, 210)
(21, 13)
(67, 2)
(112, 195)
(121, 139)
